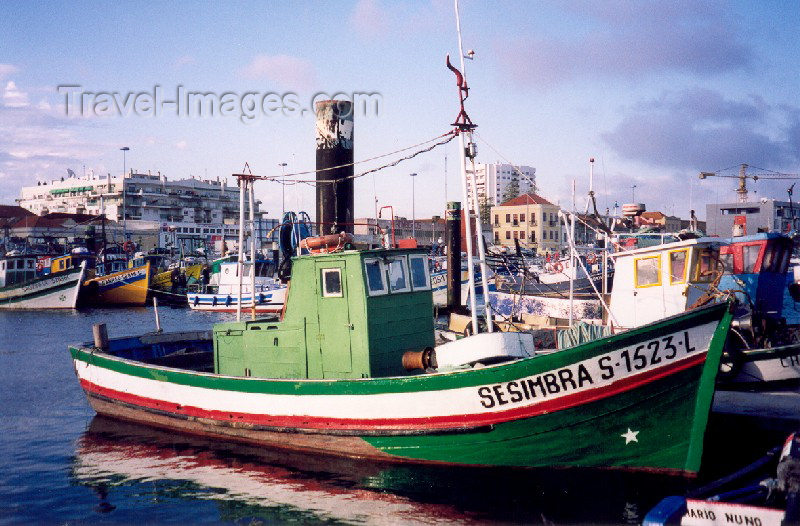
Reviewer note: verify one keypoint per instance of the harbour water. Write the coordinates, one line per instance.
(64, 465)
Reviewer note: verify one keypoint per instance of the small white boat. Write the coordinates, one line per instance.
(221, 294)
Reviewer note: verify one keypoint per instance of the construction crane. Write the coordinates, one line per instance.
(743, 176)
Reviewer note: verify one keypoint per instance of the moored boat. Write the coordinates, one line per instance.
(329, 377)
(221, 293)
(746, 497)
(115, 285)
(24, 285)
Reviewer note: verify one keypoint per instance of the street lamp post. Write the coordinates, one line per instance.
(124, 150)
(413, 207)
(633, 194)
(283, 189)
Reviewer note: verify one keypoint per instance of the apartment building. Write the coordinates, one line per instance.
(492, 180)
(532, 220)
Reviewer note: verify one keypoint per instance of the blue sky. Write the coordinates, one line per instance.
(655, 91)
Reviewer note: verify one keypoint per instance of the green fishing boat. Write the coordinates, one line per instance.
(331, 376)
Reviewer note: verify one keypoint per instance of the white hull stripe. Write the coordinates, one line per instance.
(547, 391)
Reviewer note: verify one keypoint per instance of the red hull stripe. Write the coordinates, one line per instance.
(401, 424)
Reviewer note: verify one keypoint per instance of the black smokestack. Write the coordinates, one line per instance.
(334, 148)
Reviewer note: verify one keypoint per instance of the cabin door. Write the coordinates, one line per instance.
(333, 309)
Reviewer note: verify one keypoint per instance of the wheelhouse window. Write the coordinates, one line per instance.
(750, 258)
(647, 271)
(771, 257)
(785, 257)
(420, 279)
(677, 266)
(376, 277)
(398, 275)
(332, 283)
(707, 265)
(727, 262)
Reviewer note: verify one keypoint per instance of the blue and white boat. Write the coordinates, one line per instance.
(221, 294)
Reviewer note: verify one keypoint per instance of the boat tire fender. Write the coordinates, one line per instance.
(214, 301)
(558, 267)
(228, 300)
(196, 300)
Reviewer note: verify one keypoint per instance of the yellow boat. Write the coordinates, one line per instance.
(114, 284)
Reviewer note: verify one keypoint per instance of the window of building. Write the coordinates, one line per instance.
(647, 271)
(508, 234)
(332, 283)
(496, 219)
(522, 234)
(497, 237)
(516, 219)
(508, 218)
(516, 234)
(522, 218)
(544, 216)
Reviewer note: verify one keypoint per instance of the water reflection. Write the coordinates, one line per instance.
(122, 461)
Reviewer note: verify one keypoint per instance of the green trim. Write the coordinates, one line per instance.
(706, 388)
(433, 382)
(38, 293)
(589, 435)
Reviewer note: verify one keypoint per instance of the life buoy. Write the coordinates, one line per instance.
(128, 246)
(325, 244)
(558, 267)
(39, 267)
(591, 259)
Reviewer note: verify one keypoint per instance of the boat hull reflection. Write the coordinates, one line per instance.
(117, 458)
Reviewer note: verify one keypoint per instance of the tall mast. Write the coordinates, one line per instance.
(471, 198)
(252, 247)
(240, 262)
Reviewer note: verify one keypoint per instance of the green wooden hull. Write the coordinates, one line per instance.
(638, 400)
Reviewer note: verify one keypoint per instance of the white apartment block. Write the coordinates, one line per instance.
(492, 180)
(140, 197)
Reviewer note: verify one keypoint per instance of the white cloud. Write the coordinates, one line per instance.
(369, 19)
(377, 19)
(181, 145)
(289, 72)
(7, 70)
(37, 142)
(13, 97)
